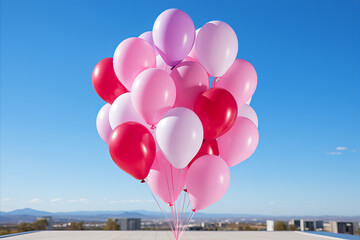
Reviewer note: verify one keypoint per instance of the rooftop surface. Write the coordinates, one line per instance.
(165, 235)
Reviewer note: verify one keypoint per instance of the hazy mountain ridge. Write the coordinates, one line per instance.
(29, 215)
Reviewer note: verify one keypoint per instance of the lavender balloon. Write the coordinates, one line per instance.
(173, 35)
(103, 124)
(147, 36)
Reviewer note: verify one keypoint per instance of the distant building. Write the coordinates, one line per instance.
(344, 227)
(270, 225)
(49, 221)
(307, 225)
(128, 223)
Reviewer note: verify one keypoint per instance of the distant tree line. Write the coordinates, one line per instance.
(282, 226)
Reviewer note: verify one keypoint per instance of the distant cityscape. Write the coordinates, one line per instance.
(29, 219)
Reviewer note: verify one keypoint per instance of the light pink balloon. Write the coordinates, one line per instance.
(103, 124)
(166, 181)
(240, 142)
(122, 110)
(216, 47)
(192, 52)
(191, 80)
(147, 36)
(180, 135)
(161, 64)
(131, 57)
(207, 181)
(248, 112)
(153, 94)
(240, 80)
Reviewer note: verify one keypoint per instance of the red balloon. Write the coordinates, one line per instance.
(105, 82)
(217, 110)
(208, 147)
(132, 147)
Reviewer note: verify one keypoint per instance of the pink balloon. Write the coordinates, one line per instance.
(240, 142)
(131, 57)
(216, 47)
(147, 36)
(103, 124)
(173, 35)
(153, 94)
(207, 181)
(191, 80)
(166, 181)
(240, 80)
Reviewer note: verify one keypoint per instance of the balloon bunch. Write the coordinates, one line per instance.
(163, 123)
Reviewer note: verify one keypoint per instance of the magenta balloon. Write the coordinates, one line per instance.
(173, 35)
(240, 142)
(153, 94)
(103, 123)
(147, 36)
(207, 181)
(240, 80)
(131, 57)
(166, 181)
(191, 80)
(216, 47)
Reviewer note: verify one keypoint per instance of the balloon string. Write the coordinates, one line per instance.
(182, 209)
(188, 221)
(164, 214)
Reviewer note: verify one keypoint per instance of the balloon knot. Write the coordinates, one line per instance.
(172, 67)
(217, 80)
(194, 210)
(142, 181)
(153, 126)
(185, 190)
(170, 204)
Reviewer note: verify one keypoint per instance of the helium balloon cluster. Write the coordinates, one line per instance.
(163, 123)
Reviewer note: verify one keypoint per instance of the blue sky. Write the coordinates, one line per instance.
(307, 56)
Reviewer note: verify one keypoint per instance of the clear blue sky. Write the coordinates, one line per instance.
(307, 56)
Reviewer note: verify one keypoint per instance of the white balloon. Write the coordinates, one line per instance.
(248, 112)
(249, 101)
(179, 135)
(122, 110)
(102, 123)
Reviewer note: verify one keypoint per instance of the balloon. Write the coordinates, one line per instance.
(247, 112)
(132, 148)
(166, 181)
(179, 135)
(208, 147)
(240, 80)
(105, 82)
(153, 94)
(162, 65)
(191, 80)
(216, 47)
(192, 52)
(207, 181)
(249, 101)
(240, 142)
(131, 57)
(217, 111)
(102, 123)
(122, 110)
(147, 36)
(173, 35)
